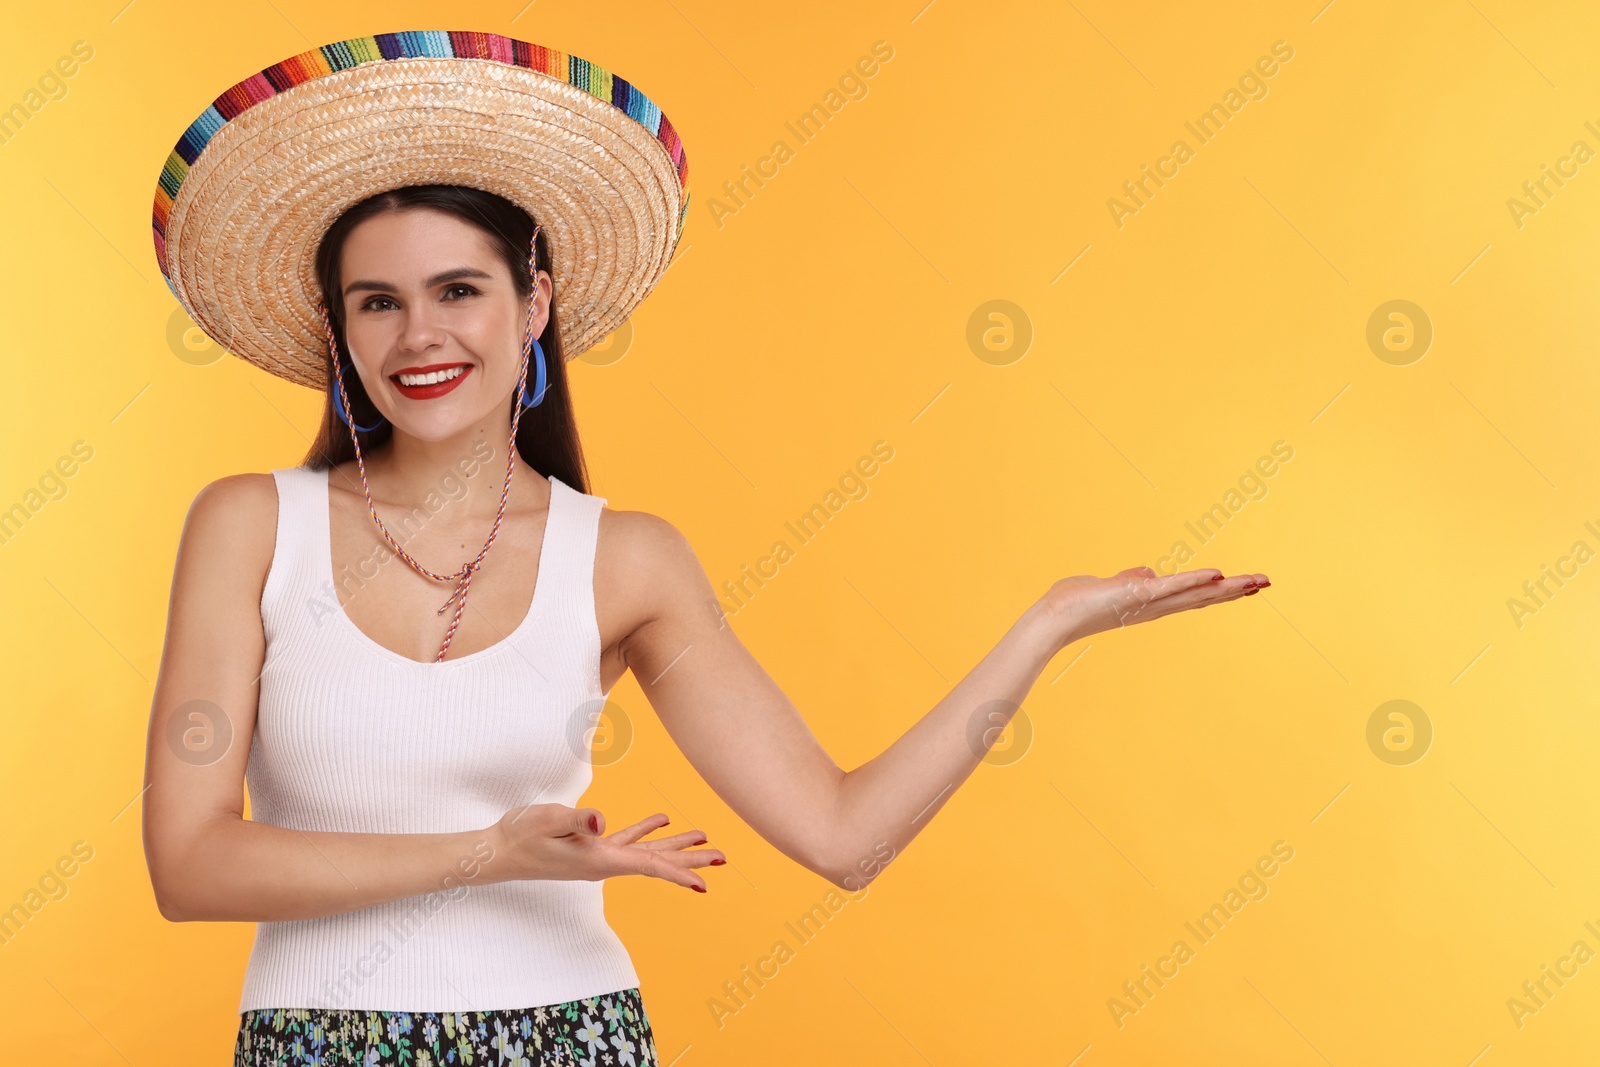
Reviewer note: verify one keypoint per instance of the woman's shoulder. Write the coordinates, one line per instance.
(639, 535)
(646, 555)
(237, 497)
(234, 518)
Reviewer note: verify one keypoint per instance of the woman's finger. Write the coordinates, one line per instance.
(629, 835)
(1182, 581)
(584, 822)
(676, 841)
(1204, 583)
(700, 857)
(1140, 592)
(660, 865)
(1240, 585)
(1148, 599)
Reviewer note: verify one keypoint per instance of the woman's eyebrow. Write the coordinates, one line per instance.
(437, 279)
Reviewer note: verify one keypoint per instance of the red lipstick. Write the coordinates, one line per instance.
(436, 389)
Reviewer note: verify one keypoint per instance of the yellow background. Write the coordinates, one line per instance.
(831, 311)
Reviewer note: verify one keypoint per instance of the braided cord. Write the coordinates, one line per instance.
(463, 576)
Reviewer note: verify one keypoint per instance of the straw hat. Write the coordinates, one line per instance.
(259, 177)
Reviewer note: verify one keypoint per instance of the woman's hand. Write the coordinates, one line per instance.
(1084, 605)
(557, 842)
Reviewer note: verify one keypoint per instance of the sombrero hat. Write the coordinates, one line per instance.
(258, 178)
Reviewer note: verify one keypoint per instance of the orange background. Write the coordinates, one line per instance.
(838, 307)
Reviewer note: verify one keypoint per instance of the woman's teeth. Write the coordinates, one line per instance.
(430, 379)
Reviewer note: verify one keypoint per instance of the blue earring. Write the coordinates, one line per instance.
(340, 397)
(538, 380)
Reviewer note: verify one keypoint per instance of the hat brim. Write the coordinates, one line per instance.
(606, 179)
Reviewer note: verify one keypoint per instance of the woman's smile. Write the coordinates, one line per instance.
(434, 380)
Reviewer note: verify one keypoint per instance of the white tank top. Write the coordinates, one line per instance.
(351, 736)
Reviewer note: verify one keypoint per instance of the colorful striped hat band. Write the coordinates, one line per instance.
(254, 183)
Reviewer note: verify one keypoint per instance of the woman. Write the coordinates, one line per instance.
(424, 886)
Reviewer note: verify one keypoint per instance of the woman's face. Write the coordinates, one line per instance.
(433, 322)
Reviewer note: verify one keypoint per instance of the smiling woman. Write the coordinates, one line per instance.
(488, 235)
(420, 873)
(404, 780)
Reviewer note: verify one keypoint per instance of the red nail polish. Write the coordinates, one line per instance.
(1253, 592)
(1216, 577)
(594, 823)
(698, 888)
(699, 842)
(718, 863)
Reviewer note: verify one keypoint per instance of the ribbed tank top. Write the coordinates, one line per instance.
(351, 736)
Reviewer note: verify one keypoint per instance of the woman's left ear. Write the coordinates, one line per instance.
(539, 291)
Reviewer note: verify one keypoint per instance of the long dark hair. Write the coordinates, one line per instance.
(547, 435)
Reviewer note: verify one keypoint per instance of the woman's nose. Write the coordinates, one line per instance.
(420, 328)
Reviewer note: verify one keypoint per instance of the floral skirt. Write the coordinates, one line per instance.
(605, 1031)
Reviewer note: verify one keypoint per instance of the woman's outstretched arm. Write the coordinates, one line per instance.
(753, 747)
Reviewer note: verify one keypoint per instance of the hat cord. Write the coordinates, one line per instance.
(462, 577)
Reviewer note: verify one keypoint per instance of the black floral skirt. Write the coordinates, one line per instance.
(605, 1031)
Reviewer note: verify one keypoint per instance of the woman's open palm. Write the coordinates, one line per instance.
(558, 842)
(1086, 604)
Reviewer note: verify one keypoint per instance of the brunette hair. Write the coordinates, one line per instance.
(547, 435)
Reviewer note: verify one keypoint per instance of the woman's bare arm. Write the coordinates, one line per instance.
(207, 862)
(749, 742)
(893, 796)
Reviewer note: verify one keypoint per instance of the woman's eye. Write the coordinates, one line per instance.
(468, 291)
